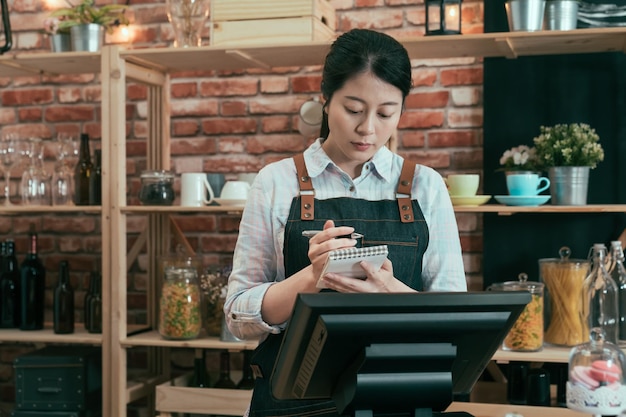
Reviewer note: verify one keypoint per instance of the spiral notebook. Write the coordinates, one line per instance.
(347, 261)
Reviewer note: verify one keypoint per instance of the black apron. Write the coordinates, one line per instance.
(398, 223)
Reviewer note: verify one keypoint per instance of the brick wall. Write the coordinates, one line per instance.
(231, 122)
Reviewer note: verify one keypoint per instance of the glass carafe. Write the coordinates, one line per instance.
(179, 307)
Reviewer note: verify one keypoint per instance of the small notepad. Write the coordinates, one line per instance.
(347, 261)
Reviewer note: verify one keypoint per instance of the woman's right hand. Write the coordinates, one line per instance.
(325, 241)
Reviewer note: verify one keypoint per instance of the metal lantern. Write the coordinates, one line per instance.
(443, 17)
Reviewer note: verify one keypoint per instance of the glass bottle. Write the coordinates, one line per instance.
(200, 377)
(83, 172)
(600, 295)
(32, 288)
(94, 308)
(63, 302)
(224, 380)
(9, 288)
(619, 276)
(95, 184)
(179, 306)
(247, 381)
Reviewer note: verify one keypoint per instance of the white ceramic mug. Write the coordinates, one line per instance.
(235, 190)
(194, 188)
(310, 118)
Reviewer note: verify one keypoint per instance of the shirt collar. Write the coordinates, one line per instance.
(317, 161)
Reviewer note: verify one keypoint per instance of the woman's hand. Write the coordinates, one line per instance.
(325, 241)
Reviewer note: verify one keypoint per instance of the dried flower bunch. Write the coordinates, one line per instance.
(213, 285)
(519, 158)
(107, 16)
(573, 144)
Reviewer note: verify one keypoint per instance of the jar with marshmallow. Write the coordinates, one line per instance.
(596, 381)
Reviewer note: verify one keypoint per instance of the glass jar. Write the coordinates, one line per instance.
(596, 382)
(179, 307)
(565, 303)
(526, 335)
(157, 188)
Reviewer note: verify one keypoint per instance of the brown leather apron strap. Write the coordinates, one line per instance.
(307, 194)
(403, 193)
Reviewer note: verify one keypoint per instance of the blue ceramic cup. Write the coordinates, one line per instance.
(526, 184)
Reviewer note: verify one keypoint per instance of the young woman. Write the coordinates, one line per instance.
(347, 181)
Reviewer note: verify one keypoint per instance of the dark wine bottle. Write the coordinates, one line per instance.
(247, 381)
(224, 380)
(9, 288)
(200, 377)
(95, 181)
(32, 288)
(95, 304)
(87, 300)
(63, 309)
(83, 172)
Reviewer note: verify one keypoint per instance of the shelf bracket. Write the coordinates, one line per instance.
(506, 47)
(237, 53)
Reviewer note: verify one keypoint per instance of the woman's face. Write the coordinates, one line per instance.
(362, 116)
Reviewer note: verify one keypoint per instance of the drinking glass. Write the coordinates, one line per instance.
(35, 184)
(7, 158)
(68, 150)
(187, 18)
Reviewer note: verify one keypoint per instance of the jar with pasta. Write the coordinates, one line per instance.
(526, 335)
(564, 281)
(180, 304)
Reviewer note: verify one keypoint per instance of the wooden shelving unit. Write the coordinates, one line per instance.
(152, 67)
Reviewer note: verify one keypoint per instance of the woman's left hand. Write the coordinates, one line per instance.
(381, 280)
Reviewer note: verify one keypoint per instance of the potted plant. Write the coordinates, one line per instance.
(59, 38)
(87, 22)
(568, 152)
(519, 159)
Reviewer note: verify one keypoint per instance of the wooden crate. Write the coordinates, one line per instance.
(270, 31)
(229, 10)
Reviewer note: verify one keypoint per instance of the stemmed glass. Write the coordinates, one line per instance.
(35, 185)
(8, 156)
(68, 149)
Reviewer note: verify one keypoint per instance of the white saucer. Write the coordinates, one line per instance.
(522, 200)
(228, 202)
(473, 200)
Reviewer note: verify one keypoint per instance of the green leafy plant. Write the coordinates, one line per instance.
(107, 16)
(573, 144)
(519, 158)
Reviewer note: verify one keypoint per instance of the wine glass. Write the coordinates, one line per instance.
(7, 158)
(68, 149)
(35, 185)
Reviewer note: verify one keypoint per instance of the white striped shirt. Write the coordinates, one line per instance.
(258, 258)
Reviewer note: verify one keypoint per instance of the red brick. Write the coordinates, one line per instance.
(65, 113)
(136, 92)
(383, 18)
(470, 117)
(275, 143)
(452, 138)
(412, 139)
(424, 77)
(431, 99)
(7, 116)
(421, 119)
(306, 84)
(274, 105)
(230, 144)
(433, 159)
(229, 87)
(68, 95)
(185, 127)
(233, 108)
(272, 85)
(195, 146)
(181, 90)
(194, 107)
(27, 97)
(369, 3)
(30, 114)
(472, 159)
(274, 124)
(461, 76)
(229, 125)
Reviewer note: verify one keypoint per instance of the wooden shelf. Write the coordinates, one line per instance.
(47, 335)
(209, 58)
(500, 410)
(548, 208)
(17, 209)
(180, 209)
(153, 338)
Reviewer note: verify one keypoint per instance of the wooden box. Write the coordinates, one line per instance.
(263, 22)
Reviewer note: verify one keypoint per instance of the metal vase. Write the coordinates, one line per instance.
(88, 37)
(568, 185)
(60, 42)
